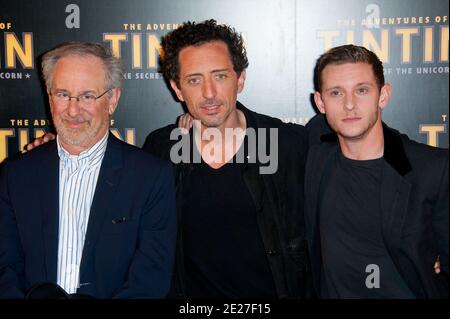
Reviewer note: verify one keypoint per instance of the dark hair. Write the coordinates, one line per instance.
(195, 34)
(348, 54)
(112, 65)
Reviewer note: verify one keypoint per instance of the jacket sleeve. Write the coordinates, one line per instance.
(151, 267)
(11, 255)
(441, 218)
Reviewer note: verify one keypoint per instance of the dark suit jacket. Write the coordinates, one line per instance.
(130, 259)
(414, 208)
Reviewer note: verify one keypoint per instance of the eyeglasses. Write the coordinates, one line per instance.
(86, 99)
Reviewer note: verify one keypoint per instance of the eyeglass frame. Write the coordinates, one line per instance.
(77, 98)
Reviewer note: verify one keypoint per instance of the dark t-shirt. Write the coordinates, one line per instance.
(356, 263)
(223, 249)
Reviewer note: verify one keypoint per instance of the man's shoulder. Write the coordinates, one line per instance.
(162, 133)
(318, 128)
(33, 157)
(159, 143)
(320, 152)
(423, 153)
(138, 158)
(287, 132)
(267, 121)
(23, 168)
(414, 150)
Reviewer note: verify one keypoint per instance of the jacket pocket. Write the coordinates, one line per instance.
(119, 226)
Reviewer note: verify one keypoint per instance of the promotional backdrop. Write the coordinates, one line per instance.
(283, 39)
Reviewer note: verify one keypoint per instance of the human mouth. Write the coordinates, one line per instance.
(211, 108)
(351, 119)
(74, 124)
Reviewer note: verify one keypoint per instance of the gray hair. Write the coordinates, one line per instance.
(112, 65)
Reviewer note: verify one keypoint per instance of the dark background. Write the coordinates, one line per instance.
(283, 39)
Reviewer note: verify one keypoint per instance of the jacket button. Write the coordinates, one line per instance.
(271, 252)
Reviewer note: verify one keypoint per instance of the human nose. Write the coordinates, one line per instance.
(209, 89)
(349, 103)
(73, 107)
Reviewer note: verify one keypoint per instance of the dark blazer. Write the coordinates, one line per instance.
(130, 259)
(414, 208)
(277, 197)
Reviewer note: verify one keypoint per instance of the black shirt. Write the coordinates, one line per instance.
(353, 249)
(222, 246)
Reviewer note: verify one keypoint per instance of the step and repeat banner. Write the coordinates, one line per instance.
(283, 39)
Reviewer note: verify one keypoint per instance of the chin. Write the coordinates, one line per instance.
(75, 141)
(212, 123)
(353, 135)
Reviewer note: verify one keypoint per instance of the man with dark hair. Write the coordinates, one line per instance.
(241, 229)
(376, 202)
(85, 214)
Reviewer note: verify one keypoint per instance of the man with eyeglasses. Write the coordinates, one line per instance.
(86, 214)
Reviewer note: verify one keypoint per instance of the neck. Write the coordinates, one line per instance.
(78, 149)
(73, 149)
(367, 147)
(236, 119)
(219, 144)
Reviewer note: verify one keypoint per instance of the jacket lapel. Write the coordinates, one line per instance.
(317, 163)
(49, 190)
(104, 194)
(317, 169)
(395, 188)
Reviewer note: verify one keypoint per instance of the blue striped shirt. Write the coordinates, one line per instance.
(77, 180)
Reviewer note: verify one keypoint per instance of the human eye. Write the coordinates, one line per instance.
(362, 90)
(62, 95)
(221, 76)
(334, 93)
(193, 80)
(88, 97)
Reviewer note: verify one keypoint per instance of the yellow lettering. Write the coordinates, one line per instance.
(432, 132)
(328, 37)
(154, 47)
(350, 37)
(137, 55)
(382, 51)
(15, 49)
(115, 40)
(4, 135)
(444, 45)
(428, 45)
(38, 132)
(23, 138)
(406, 34)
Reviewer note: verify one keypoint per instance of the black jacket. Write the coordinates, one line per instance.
(278, 198)
(414, 209)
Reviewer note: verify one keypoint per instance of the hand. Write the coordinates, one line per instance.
(39, 141)
(437, 266)
(185, 123)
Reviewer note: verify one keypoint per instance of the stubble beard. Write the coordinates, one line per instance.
(79, 136)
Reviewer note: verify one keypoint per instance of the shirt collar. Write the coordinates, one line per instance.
(90, 156)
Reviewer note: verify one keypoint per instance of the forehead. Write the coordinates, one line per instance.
(209, 55)
(347, 73)
(76, 70)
